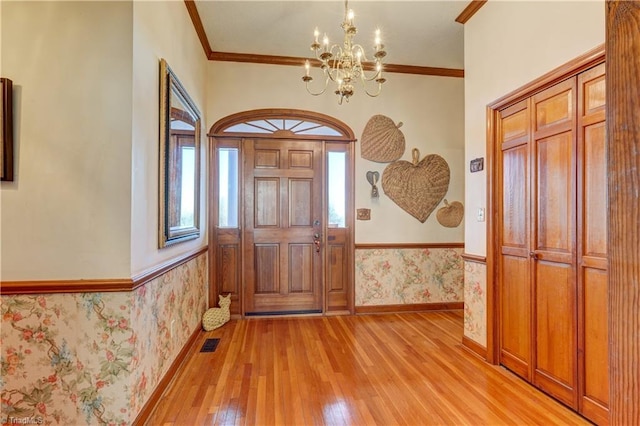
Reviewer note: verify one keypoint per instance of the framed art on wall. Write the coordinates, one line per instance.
(6, 130)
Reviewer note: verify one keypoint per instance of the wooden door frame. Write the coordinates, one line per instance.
(219, 134)
(623, 168)
(588, 60)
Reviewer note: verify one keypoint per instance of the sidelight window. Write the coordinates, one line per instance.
(228, 187)
(336, 189)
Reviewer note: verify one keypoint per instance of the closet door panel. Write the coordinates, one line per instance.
(554, 202)
(515, 344)
(593, 333)
(596, 382)
(555, 330)
(595, 192)
(515, 275)
(554, 247)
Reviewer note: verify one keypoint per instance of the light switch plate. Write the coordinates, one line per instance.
(480, 214)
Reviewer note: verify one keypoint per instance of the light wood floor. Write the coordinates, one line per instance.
(387, 369)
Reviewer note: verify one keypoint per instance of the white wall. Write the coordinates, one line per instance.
(161, 29)
(431, 109)
(67, 214)
(507, 45)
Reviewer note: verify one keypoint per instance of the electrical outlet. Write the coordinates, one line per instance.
(480, 214)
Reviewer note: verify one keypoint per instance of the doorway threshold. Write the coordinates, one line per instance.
(305, 312)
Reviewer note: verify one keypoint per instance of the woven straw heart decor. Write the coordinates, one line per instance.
(417, 187)
(382, 140)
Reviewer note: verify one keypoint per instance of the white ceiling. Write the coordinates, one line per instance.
(422, 33)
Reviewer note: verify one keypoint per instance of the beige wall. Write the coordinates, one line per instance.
(508, 44)
(160, 30)
(85, 200)
(431, 109)
(67, 214)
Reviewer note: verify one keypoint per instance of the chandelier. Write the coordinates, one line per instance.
(345, 65)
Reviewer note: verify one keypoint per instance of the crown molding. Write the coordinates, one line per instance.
(197, 25)
(470, 10)
(297, 61)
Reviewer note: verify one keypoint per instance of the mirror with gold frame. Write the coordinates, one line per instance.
(180, 122)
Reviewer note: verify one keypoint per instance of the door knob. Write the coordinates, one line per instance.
(533, 255)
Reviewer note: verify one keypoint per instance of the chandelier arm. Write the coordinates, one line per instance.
(373, 77)
(373, 95)
(364, 54)
(326, 84)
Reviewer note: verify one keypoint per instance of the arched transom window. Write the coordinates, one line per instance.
(283, 123)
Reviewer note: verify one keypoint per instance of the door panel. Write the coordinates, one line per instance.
(555, 330)
(515, 342)
(266, 198)
(301, 258)
(595, 191)
(554, 246)
(515, 201)
(301, 202)
(283, 213)
(515, 283)
(593, 315)
(554, 195)
(596, 337)
(266, 264)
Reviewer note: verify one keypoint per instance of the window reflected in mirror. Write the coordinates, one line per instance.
(179, 161)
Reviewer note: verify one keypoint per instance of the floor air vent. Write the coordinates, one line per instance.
(210, 345)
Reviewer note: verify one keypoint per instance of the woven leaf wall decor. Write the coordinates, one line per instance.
(450, 216)
(382, 141)
(417, 187)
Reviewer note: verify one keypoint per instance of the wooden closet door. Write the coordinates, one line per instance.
(553, 238)
(514, 279)
(592, 247)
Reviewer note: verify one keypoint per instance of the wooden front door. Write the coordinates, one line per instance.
(283, 226)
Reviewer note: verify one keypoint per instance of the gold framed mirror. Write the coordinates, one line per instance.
(179, 200)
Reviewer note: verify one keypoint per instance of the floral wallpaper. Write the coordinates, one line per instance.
(165, 313)
(95, 358)
(405, 276)
(475, 302)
